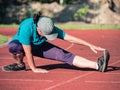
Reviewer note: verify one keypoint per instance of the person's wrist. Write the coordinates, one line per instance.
(89, 45)
(33, 68)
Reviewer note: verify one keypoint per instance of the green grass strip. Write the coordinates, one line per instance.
(75, 26)
(89, 27)
(9, 26)
(3, 39)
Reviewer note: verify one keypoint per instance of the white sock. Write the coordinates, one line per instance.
(96, 66)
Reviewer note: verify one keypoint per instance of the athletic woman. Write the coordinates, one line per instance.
(31, 40)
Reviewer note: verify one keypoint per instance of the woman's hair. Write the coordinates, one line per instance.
(36, 17)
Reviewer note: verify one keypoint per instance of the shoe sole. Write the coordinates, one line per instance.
(106, 56)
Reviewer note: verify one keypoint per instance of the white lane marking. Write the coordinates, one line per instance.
(115, 62)
(114, 73)
(28, 80)
(71, 45)
(113, 82)
(68, 81)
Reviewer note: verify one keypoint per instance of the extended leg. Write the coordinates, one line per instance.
(84, 63)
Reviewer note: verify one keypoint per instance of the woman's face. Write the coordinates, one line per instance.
(39, 32)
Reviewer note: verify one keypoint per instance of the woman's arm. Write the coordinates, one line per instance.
(30, 60)
(82, 42)
(29, 56)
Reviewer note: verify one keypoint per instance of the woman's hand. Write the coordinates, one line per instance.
(39, 70)
(95, 48)
(30, 59)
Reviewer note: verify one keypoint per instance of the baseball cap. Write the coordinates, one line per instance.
(46, 26)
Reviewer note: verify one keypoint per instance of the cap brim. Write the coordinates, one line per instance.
(51, 36)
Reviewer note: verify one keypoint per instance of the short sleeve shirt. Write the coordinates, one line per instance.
(27, 33)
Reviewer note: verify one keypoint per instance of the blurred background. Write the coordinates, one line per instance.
(62, 11)
(67, 14)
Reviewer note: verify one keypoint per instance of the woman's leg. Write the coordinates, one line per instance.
(19, 58)
(15, 48)
(50, 51)
(53, 52)
(101, 64)
(84, 63)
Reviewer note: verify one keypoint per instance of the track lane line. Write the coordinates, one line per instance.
(108, 82)
(68, 81)
(27, 80)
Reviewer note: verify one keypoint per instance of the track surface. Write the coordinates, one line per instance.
(62, 76)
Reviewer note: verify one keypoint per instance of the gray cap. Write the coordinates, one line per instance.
(46, 26)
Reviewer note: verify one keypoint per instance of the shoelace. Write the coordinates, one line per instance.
(100, 61)
(15, 66)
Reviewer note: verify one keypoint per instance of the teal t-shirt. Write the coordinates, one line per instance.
(27, 33)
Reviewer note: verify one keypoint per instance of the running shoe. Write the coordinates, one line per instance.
(103, 61)
(14, 67)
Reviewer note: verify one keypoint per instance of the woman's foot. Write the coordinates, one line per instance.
(103, 61)
(14, 67)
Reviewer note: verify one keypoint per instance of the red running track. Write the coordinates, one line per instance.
(62, 76)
